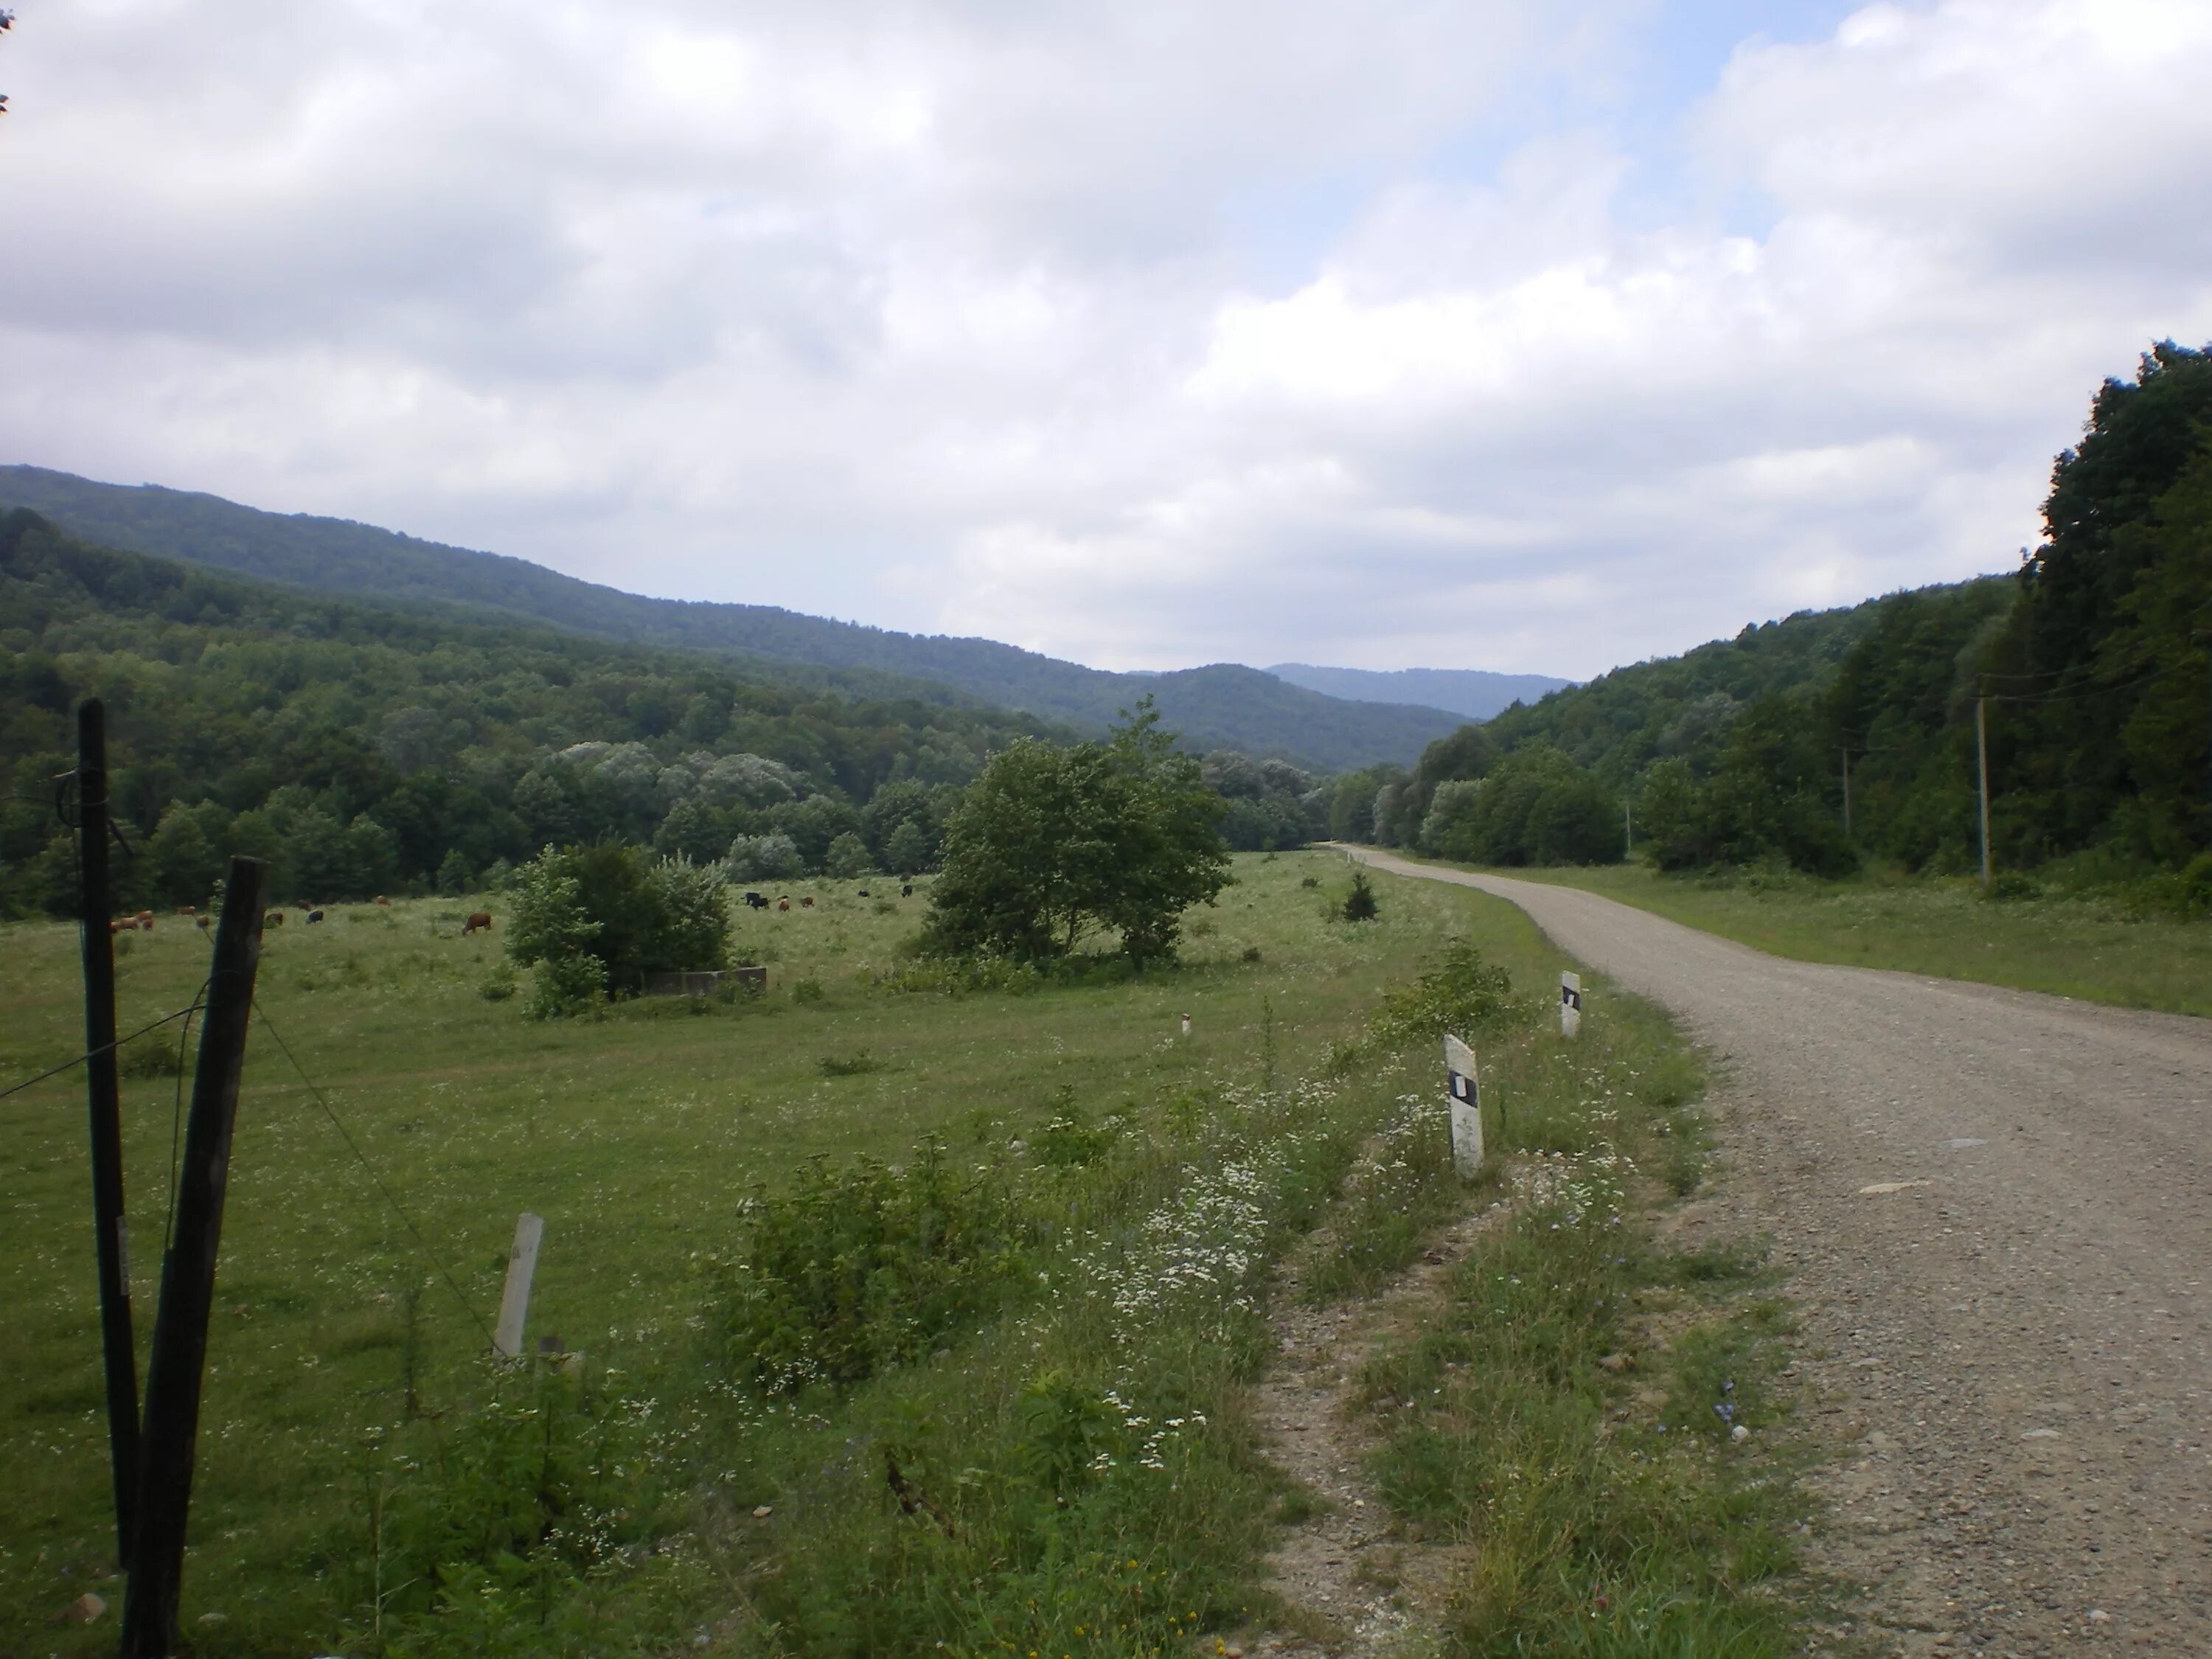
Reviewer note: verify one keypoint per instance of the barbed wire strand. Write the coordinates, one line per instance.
(354, 1146)
(71, 1065)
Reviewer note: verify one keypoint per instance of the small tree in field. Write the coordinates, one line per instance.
(1052, 845)
(1359, 903)
(600, 919)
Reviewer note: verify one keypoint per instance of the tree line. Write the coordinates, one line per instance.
(1827, 739)
(365, 748)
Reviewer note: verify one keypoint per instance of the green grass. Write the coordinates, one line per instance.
(2093, 947)
(1060, 1462)
(1568, 1418)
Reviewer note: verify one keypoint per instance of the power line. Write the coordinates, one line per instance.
(354, 1146)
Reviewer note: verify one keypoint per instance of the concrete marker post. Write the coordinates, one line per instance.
(514, 1300)
(1464, 1090)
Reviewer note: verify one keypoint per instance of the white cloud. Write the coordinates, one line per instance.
(943, 315)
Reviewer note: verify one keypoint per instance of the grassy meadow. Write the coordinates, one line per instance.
(1019, 1431)
(2098, 948)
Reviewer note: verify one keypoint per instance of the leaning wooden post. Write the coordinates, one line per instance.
(176, 1371)
(1465, 1097)
(95, 903)
(514, 1300)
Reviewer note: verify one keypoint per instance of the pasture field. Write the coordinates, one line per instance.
(1019, 1431)
(2074, 946)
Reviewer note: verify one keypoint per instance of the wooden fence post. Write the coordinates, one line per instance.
(176, 1369)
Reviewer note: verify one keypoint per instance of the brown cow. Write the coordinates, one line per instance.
(806, 904)
(118, 927)
(273, 918)
(479, 919)
(783, 904)
(201, 922)
(381, 899)
(186, 910)
(145, 919)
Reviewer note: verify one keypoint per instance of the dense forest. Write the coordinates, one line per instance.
(369, 748)
(1222, 706)
(1826, 739)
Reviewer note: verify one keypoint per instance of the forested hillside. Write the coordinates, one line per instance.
(1475, 694)
(364, 747)
(1825, 738)
(1224, 706)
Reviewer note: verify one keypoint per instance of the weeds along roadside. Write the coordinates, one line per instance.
(1598, 1418)
(992, 1399)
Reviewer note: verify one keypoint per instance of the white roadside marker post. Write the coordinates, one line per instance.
(1466, 1096)
(514, 1301)
(1571, 1004)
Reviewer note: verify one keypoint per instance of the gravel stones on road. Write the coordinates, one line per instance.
(1996, 1210)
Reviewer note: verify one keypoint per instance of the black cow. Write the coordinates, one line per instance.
(756, 901)
(314, 915)
(907, 891)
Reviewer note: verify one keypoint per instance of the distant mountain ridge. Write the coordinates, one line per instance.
(1476, 694)
(1224, 705)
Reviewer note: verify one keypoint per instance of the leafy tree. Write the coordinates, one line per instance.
(772, 857)
(1050, 845)
(848, 856)
(630, 914)
(455, 875)
(907, 852)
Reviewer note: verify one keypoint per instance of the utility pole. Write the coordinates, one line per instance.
(95, 905)
(1847, 791)
(176, 1370)
(1981, 757)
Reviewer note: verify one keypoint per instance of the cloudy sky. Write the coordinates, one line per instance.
(1494, 333)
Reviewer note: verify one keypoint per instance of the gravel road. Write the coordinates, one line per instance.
(1996, 1210)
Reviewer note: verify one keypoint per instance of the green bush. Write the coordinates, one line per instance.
(600, 919)
(1461, 995)
(862, 1269)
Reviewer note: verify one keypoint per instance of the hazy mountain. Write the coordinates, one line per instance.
(1475, 693)
(1222, 706)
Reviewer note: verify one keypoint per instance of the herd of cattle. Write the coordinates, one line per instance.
(479, 921)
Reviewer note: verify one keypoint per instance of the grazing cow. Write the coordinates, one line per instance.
(381, 899)
(201, 922)
(118, 927)
(756, 901)
(806, 904)
(145, 919)
(783, 904)
(314, 916)
(186, 910)
(907, 891)
(479, 921)
(273, 918)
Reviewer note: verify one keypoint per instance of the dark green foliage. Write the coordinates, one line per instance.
(250, 718)
(601, 918)
(862, 1269)
(2093, 665)
(1050, 845)
(1359, 903)
(1268, 805)
(1221, 706)
(1535, 806)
